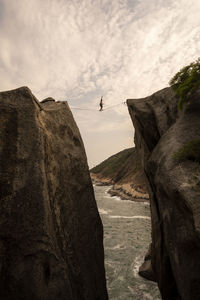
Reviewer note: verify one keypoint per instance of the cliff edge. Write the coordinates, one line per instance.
(51, 235)
(164, 140)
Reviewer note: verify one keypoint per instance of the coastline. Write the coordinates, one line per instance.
(126, 191)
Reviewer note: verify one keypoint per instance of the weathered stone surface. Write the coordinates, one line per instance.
(48, 99)
(146, 270)
(51, 236)
(174, 193)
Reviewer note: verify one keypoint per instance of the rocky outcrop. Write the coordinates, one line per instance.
(160, 133)
(48, 99)
(145, 269)
(51, 236)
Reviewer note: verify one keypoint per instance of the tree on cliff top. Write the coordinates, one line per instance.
(185, 81)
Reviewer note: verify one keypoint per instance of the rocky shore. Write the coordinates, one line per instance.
(122, 171)
(125, 191)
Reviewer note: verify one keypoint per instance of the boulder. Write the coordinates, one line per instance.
(145, 269)
(161, 133)
(51, 235)
(48, 99)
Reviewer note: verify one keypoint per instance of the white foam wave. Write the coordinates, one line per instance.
(145, 203)
(119, 246)
(116, 247)
(108, 188)
(136, 264)
(103, 211)
(115, 198)
(147, 296)
(129, 217)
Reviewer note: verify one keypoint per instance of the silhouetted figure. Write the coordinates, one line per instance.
(101, 104)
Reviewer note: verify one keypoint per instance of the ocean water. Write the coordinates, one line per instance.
(127, 234)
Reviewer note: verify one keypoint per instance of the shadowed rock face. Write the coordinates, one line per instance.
(174, 194)
(51, 237)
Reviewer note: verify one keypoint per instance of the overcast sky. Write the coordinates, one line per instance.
(78, 50)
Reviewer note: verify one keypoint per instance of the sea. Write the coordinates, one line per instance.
(127, 235)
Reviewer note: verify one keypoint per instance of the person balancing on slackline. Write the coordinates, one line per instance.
(101, 104)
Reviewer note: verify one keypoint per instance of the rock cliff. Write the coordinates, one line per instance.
(51, 235)
(161, 135)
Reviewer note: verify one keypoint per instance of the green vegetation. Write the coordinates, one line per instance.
(113, 164)
(185, 81)
(190, 151)
(195, 180)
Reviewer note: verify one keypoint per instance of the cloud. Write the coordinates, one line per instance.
(82, 49)
(75, 47)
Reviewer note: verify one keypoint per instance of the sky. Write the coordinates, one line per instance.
(80, 50)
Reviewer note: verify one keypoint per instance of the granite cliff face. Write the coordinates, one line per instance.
(51, 235)
(174, 190)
